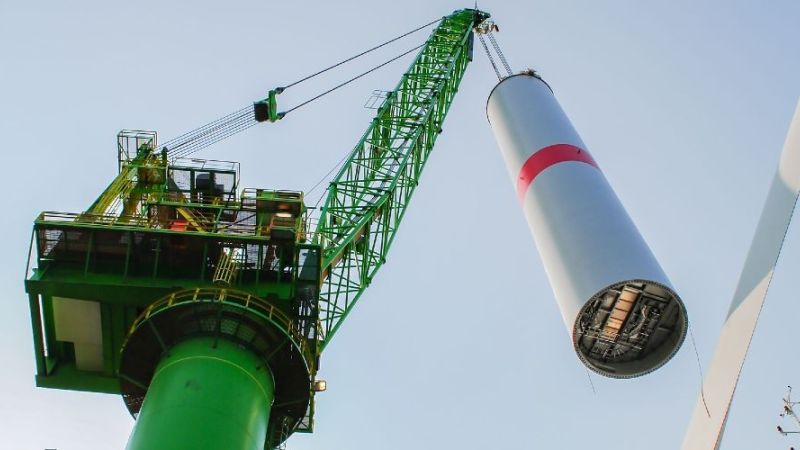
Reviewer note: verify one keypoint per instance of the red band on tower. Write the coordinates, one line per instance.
(547, 157)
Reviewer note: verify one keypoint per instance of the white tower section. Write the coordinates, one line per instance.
(624, 317)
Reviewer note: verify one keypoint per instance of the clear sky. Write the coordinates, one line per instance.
(458, 342)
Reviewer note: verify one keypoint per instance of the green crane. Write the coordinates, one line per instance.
(207, 306)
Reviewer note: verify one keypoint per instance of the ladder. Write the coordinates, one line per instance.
(230, 260)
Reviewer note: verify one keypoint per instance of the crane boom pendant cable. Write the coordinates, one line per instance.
(266, 110)
(345, 83)
(308, 77)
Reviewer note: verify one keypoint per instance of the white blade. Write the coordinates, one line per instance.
(705, 433)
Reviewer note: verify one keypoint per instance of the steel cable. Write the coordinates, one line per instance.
(345, 83)
(489, 55)
(500, 54)
(242, 119)
(186, 136)
(208, 134)
(204, 141)
(361, 54)
(212, 135)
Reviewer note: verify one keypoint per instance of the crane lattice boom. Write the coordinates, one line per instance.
(370, 194)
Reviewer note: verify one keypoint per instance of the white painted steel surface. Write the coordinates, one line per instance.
(706, 428)
(585, 238)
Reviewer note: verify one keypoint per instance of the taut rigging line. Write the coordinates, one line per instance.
(266, 110)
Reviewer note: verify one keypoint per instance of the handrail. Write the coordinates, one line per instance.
(256, 305)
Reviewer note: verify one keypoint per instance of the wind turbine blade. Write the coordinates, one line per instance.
(706, 429)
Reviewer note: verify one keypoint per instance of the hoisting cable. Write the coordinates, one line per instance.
(488, 27)
(489, 55)
(499, 53)
(237, 121)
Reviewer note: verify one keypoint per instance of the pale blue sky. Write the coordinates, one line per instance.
(458, 343)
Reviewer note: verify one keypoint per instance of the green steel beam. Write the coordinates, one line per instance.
(370, 194)
(66, 376)
(36, 328)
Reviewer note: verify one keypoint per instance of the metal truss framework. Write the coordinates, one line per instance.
(370, 194)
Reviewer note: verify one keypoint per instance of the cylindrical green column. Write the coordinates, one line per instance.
(205, 397)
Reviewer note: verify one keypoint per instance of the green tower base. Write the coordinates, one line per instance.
(206, 394)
